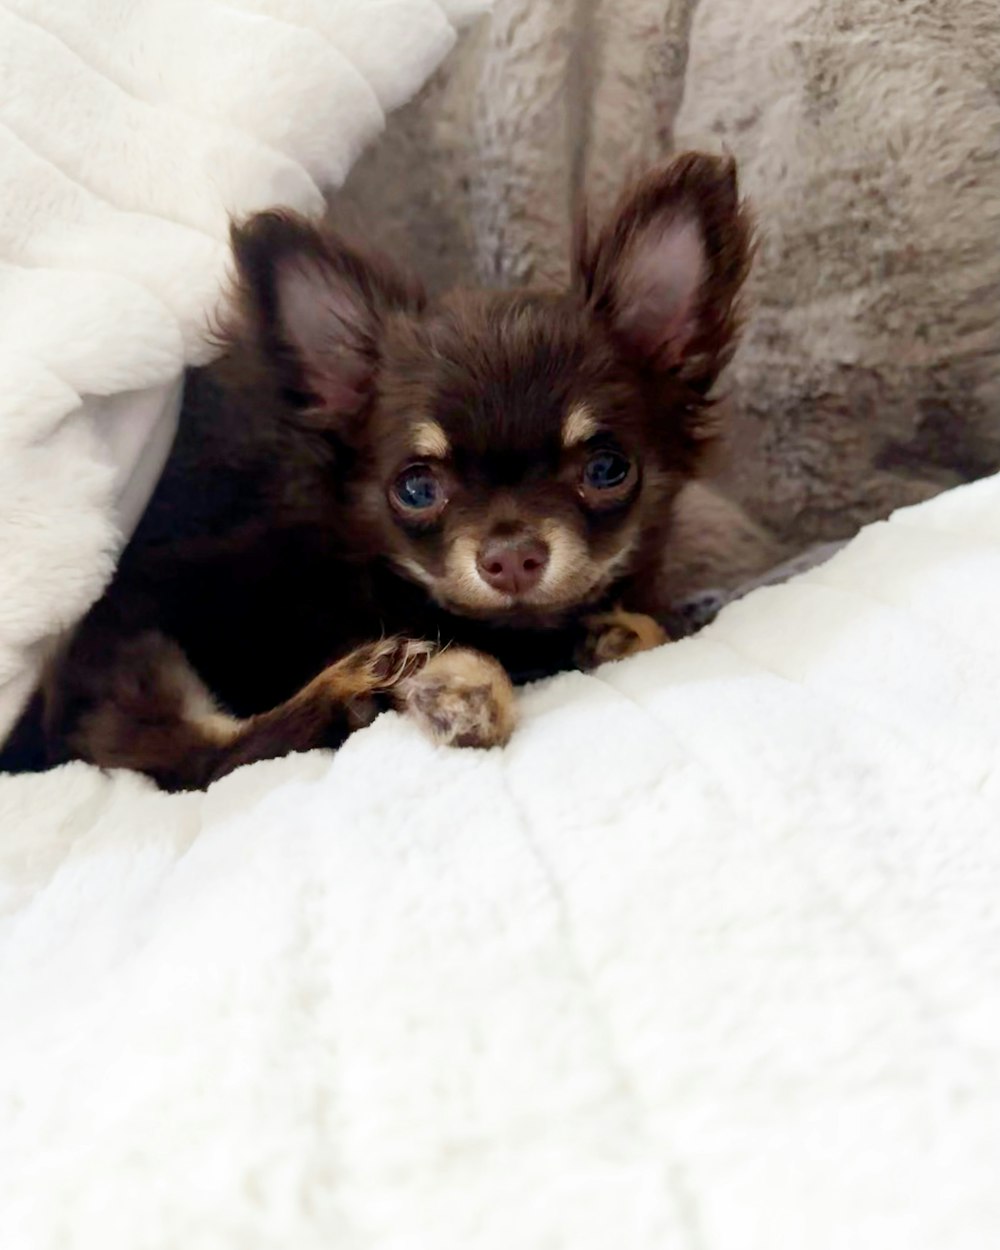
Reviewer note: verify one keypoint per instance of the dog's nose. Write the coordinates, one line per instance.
(512, 565)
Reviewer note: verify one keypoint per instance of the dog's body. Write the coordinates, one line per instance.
(374, 501)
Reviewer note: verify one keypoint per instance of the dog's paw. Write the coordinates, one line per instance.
(461, 698)
(379, 667)
(372, 670)
(616, 634)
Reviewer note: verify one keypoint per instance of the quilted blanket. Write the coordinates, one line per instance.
(707, 959)
(130, 132)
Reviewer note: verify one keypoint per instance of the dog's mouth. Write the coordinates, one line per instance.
(548, 610)
(579, 584)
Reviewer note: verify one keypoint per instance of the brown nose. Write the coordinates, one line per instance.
(512, 565)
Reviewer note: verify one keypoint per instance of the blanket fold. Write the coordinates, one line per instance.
(130, 133)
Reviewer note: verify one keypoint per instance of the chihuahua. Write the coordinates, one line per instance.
(378, 500)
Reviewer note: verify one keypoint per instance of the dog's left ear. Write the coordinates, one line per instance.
(316, 307)
(665, 272)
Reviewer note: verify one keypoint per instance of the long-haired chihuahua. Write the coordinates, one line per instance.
(375, 499)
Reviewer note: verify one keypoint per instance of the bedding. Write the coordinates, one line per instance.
(130, 133)
(708, 957)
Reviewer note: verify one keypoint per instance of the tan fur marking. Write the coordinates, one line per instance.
(462, 581)
(197, 706)
(578, 426)
(217, 727)
(462, 698)
(571, 571)
(158, 692)
(570, 576)
(370, 669)
(431, 441)
(616, 634)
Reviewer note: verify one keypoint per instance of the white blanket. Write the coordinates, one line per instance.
(130, 131)
(708, 957)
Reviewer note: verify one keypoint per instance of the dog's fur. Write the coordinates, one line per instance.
(343, 475)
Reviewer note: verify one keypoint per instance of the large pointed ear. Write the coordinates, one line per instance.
(315, 306)
(665, 272)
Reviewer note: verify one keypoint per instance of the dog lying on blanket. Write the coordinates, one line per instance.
(376, 500)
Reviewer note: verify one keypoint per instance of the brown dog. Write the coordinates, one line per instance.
(373, 499)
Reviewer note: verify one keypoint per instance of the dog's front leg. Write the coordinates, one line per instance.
(460, 698)
(144, 707)
(616, 634)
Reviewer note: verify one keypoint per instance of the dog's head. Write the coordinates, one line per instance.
(513, 453)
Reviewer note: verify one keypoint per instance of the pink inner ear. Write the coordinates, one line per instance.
(659, 290)
(327, 323)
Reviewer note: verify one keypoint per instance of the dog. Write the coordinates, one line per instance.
(376, 500)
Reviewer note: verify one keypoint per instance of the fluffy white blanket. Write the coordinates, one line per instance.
(130, 131)
(708, 957)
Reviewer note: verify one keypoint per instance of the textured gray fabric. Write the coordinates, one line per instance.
(868, 133)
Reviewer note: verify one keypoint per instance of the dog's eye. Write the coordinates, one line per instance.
(608, 478)
(605, 470)
(419, 491)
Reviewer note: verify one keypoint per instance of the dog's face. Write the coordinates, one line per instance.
(514, 454)
(511, 468)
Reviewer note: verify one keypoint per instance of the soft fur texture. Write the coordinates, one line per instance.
(868, 131)
(496, 471)
(707, 957)
(129, 133)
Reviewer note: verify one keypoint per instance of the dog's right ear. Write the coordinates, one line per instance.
(665, 273)
(316, 306)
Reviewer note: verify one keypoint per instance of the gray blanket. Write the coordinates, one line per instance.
(868, 133)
